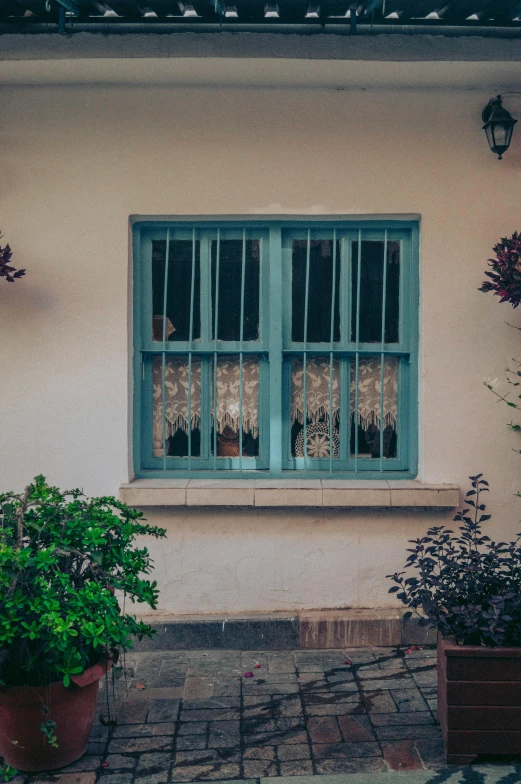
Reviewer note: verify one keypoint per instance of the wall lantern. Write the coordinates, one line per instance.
(499, 125)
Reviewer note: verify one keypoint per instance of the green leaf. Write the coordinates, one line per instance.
(73, 548)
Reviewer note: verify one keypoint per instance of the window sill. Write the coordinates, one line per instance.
(323, 493)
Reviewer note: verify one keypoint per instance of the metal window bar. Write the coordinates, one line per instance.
(276, 348)
(190, 338)
(344, 359)
(163, 355)
(382, 356)
(346, 352)
(241, 337)
(304, 353)
(338, 352)
(227, 351)
(216, 323)
(331, 337)
(357, 342)
(205, 311)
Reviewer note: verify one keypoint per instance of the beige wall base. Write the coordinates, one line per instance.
(360, 629)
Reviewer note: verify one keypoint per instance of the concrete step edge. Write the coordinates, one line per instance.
(309, 629)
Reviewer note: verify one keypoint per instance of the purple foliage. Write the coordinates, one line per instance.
(463, 583)
(505, 277)
(7, 271)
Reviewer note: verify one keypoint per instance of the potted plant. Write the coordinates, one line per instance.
(469, 588)
(63, 559)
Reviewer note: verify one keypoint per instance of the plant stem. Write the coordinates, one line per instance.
(20, 514)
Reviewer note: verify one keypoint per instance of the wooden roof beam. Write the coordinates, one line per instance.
(10, 8)
(125, 9)
(373, 5)
(34, 6)
(69, 5)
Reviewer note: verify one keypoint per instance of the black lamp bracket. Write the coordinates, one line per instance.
(489, 108)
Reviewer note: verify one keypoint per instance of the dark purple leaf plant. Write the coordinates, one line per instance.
(505, 273)
(463, 583)
(7, 270)
(505, 282)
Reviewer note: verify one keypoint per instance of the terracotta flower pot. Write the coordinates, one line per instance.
(228, 443)
(22, 743)
(479, 700)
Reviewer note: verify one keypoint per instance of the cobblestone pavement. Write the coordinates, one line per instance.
(193, 715)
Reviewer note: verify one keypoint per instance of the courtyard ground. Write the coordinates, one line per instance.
(183, 716)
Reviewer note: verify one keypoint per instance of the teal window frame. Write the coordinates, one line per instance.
(275, 347)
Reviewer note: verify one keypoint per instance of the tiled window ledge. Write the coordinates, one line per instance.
(324, 493)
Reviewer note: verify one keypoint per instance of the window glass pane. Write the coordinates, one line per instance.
(179, 290)
(316, 408)
(226, 411)
(230, 284)
(179, 420)
(319, 291)
(371, 290)
(369, 419)
(392, 297)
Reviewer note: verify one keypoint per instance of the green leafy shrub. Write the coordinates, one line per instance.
(62, 557)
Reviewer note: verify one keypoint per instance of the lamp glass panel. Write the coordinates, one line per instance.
(490, 136)
(500, 134)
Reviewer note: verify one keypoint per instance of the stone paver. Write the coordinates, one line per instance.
(198, 688)
(186, 716)
(402, 755)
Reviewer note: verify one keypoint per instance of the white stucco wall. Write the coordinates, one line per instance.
(76, 161)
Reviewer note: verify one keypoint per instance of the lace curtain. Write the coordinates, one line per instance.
(227, 411)
(178, 417)
(369, 389)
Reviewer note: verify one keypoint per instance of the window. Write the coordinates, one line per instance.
(275, 348)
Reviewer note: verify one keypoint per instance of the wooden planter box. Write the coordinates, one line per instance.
(479, 700)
